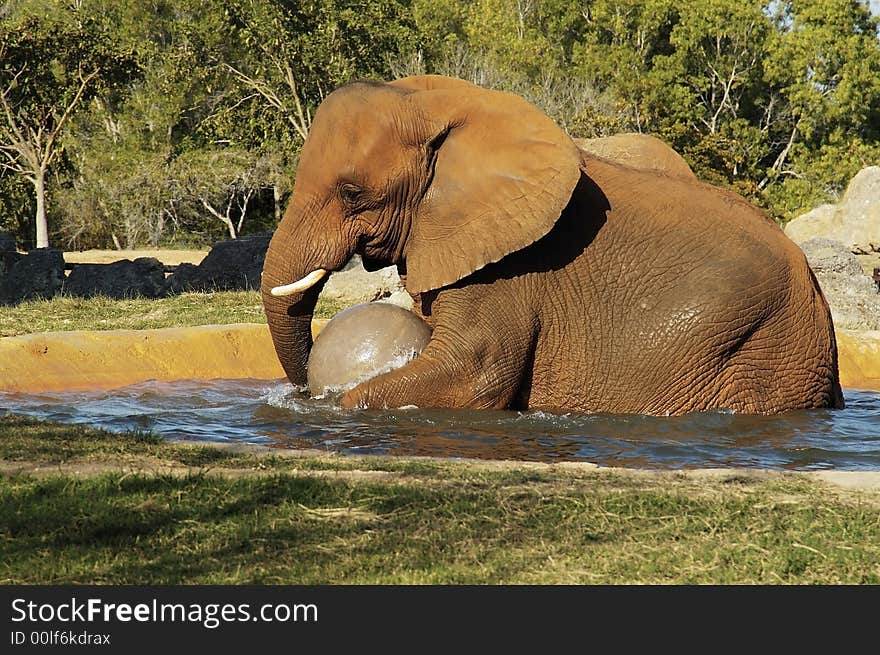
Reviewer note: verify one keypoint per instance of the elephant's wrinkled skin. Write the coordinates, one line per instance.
(552, 278)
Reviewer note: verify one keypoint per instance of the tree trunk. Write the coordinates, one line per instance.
(42, 224)
(276, 196)
(229, 224)
(225, 218)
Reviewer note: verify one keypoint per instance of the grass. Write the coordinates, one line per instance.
(102, 313)
(88, 506)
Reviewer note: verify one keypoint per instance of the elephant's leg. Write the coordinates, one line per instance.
(476, 358)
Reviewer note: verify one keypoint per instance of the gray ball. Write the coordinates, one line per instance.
(362, 342)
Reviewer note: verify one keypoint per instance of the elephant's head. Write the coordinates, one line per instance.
(433, 174)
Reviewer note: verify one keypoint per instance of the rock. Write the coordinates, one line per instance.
(144, 277)
(232, 265)
(639, 151)
(852, 295)
(354, 285)
(830, 256)
(8, 259)
(237, 264)
(855, 220)
(7, 242)
(9, 256)
(401, 298)
(184, 278)
(39, 274)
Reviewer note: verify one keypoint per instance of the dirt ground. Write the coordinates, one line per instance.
(842, 481)
(168, 257)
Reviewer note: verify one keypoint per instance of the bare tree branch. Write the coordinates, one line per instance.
(780, 160)
(49, 152)
(298, 118)
(11, 128)
(28, 142)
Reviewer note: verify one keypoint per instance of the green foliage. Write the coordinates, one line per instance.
(16, 206)
(778, 100)
(50, 65)
(825, 61)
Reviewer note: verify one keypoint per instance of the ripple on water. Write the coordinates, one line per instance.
(257, 411)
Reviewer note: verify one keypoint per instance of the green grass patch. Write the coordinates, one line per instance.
(25, 439)
(102, 313)
(242, 518)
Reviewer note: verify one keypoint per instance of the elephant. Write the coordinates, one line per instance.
(552, 278)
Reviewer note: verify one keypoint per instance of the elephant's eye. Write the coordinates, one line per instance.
(350, 194)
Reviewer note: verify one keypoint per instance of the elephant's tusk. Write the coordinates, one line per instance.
(307, 282)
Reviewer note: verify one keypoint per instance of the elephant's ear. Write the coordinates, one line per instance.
(503, 171)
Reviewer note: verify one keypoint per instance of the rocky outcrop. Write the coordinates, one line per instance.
(854, 221)
(8, 259)
(237, 265)
(354, 285)
(639, 151)
(39, 274)
(7, 242)
(144, 277)
(233, 265)
(852, 295)
(9, 256)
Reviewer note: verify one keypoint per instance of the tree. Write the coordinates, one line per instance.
(824, 63)
(290, 55)
(520, 46)
(34, 113)
(617, 49)
(122, 150)
(49, 67)
(756, 95)
(779, 99)
(222, 183)
(710, 95)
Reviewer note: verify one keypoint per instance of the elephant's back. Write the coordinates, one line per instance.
(674, 216)
(681, 287)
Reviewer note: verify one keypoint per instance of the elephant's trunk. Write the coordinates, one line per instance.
(289, 316)
(291, 329)
(301, 252)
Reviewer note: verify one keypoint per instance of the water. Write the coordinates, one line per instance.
(274, 413)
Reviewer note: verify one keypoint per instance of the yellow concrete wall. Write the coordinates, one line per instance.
(55, 361)
(859, 359)
(92, 359)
